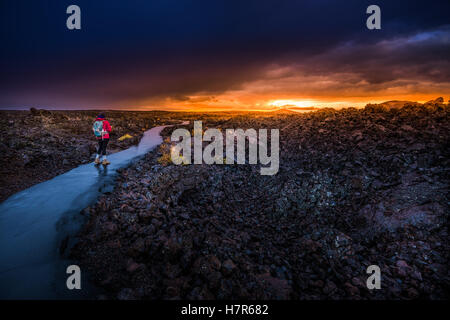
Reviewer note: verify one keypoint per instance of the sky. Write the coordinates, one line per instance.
(221, 55)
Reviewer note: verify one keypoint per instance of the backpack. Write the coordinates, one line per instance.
(98, 128)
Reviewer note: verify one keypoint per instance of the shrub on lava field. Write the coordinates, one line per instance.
(166, 155)
(125, 136)
(376, 108)
(165, 158)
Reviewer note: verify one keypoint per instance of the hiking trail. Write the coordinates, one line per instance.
(38, 224)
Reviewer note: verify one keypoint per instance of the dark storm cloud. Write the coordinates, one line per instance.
(130, 52)
(423, 56)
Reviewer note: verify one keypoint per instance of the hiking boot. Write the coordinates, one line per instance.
(105, 162)
(97, 161)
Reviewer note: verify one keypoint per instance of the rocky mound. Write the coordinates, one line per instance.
(355, 188)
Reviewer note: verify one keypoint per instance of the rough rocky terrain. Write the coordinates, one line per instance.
(37, 145)
(356, 187)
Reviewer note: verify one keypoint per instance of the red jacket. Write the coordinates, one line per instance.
(106, 127)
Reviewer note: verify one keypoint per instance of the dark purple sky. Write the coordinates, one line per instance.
(221, 54)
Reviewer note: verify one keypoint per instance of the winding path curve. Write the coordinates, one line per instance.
(35, 221)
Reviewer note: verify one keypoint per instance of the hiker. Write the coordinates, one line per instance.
(101, 128)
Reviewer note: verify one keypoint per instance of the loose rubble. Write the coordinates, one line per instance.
(356, 187)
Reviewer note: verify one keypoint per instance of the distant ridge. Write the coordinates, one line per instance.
(397, 104)
(303, 108)
(293, 109)
(282, 111)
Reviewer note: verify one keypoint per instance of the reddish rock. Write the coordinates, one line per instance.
(228, 267)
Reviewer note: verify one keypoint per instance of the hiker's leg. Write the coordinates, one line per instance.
(105, 143)
(99, 149)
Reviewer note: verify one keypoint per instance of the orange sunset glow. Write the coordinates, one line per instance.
(289, 63)
(250, 102)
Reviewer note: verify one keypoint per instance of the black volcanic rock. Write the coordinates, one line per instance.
(355, 188)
